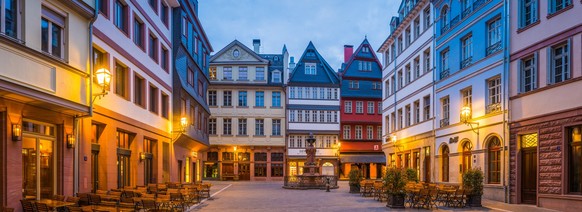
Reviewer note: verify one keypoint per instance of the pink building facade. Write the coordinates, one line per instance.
(545, 103)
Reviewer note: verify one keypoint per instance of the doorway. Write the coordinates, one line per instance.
(244, 171)
(529, 167)
(467, 148)
(38, 160)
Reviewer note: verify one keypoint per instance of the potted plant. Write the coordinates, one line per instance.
(473, 185)
(395, 180)
(355, 178)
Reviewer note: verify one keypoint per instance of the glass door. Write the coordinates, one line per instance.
(38, 176)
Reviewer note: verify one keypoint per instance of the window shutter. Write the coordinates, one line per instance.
(534, 11)
(520, 80)
(569, 59)
(549, 71)
(535, 72)
(520, 14)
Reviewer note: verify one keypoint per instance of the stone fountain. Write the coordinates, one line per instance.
(310, 179)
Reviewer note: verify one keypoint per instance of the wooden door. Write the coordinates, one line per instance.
(529, 167)
(227, 171)
(244, 171)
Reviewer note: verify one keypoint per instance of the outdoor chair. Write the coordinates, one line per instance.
(41, 207)
(83, 199)
(73, 200)
(74, 209)
(148, 204)
(59, 197)
(127, 203)
(458, 199)
(27, 205)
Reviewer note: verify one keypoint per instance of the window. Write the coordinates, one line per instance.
(52, 33)
(276, 99)
(379, 107)
(354, 84)
(557, 5)
(347, 131)
(371, 108)
(260, 74)
(227, 98)
(348, 107)
(227, 127)
(416, 108)
(259, 98)
(494, 95)
(227, 156)
(370, 132)
(407, 73)
(153, 99)
(328, 118)
(400, 119)
(192, 115)
(379, 132)
(153, 4)
(276, 127)
(400, 79)
(300, 116)
(426, 56)
(528, 74)
(276, 77)
(416, 65)
(164, 13)
(494, 36)
(212, 101)
(466, 98)
(165, 105)
(445, 63)
(467, 51)
(212, 126)
(153, 45)
(227, 73)
(138, 33)
(243, 73)
(358, 131)
(121, 80)
(416, 27)
(314, 93)
(139, 91)
(276, 169)
(365, 49)
(260, 169)
(364, 66)
(407, 115)
(123, 164)
(242, 127)
(291, 141)
(400, 45)
(359, 107)
(560, 63)
(190, 76)
(494, 161)
(466, 8)
(201, 88)
(393, 124)
(299, 141)
(165, 58)
(444, 20)
(574, 169)
(121, 16)
(408, 37)
(445, 164)
(212, 73)
(259, 127)
(104, 7)
(242, 98)
(310, 69)
(426, 16)
(426, 107)
(445, 111)
(528, 12)
(308, 116)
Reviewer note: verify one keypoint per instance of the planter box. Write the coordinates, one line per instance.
(395, 201)
(474, 201)
(355, 188)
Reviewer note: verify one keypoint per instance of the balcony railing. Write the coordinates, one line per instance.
(444, 122)
(494, 48)
(467, 62)
(478, 3)
(444, 73)
(493, 108)
(455, 20)
(445, 28)
(466, 12)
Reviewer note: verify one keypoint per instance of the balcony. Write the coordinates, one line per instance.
(455, 20)
(445, 28)
(466, 12)
(467, 62)
(478, 3)
(491, 108)
(494, 48)
(444, 73)
(444, 122)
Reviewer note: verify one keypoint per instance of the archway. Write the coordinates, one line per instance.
(327, 169)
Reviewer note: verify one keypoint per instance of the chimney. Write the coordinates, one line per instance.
(348, 51)
(292, 63)
(257, 45)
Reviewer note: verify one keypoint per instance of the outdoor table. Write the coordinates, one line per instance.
(55, 204)
(99, 208)
(109, 197)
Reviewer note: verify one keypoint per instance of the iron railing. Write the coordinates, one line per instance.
(444, 122)
(493, 108)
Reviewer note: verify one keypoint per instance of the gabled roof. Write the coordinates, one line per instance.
(242, 47)
(324, 74)
(351, 68)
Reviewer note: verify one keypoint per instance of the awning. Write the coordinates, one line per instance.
(352, 158)
(189, 143)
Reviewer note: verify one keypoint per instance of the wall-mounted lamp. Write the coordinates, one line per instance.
(142, 156)
(235, 148)
(70, 141)
(103, 78)
(16, 132)
(466, 117)
(393, 138)
(183, 123)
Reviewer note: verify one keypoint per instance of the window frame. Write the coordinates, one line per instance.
(566, 58)
(259, 127)
(524, 68)
(51, 15)
(125, 16)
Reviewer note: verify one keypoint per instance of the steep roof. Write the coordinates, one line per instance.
(216, 57)
(352, 68)
(324, 73)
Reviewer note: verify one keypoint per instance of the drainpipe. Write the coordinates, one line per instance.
(77, 119)
(505, 105)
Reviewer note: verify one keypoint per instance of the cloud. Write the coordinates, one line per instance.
(330, 24)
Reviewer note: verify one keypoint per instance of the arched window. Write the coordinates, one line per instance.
(445, 19)
(445, 163)
(493, 161)
(467, 147)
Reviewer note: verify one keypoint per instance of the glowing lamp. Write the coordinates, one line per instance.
(70, 141)
(465, 114)
(16, 132)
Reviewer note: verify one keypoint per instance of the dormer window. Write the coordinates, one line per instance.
(310, 68)
(365, 49)
(310, 53)
(276, 58)
(236, 53)
(276, 77)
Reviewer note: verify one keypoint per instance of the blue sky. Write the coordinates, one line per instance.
(330, 24)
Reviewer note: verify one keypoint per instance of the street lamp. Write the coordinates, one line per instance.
(183, 122)
(103, 78)
(466, 117)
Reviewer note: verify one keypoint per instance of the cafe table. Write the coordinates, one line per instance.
(55, 204)
(100, 208)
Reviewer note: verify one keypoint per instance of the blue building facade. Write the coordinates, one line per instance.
(471, 76)
(313, 107)
(191, 50)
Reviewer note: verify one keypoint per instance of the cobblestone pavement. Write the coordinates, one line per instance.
(269, 196)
